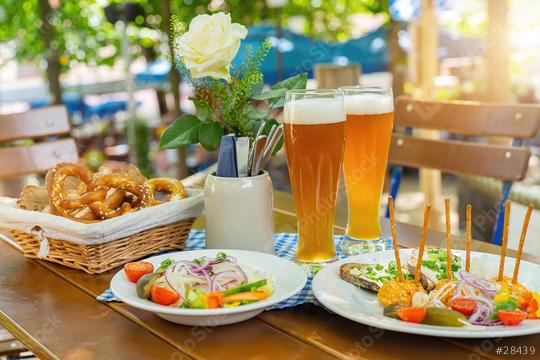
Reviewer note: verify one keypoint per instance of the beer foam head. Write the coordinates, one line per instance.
(369, 103)
(313, 111)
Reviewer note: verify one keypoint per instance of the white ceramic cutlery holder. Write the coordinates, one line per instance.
(239, 213)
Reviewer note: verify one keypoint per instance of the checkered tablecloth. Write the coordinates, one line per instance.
(285, 248)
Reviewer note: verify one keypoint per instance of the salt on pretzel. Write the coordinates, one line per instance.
(119, 182)
(85, 199)
(58, 176)
(103, 211)
(112, 206)
(85, 215)
(71, 183)
(172, 187)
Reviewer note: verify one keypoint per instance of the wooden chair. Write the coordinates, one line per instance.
(468, 119)
(49, 128)
(330, 76)
(41, 125)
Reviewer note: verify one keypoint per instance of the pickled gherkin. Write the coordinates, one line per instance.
(444, 317)
(391, 311)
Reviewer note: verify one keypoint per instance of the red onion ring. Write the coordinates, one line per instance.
(485, 286)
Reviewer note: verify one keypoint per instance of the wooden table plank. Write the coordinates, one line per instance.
(302, 332)
(294, 320)
(249, 339)
(56, 320)
(348, 339)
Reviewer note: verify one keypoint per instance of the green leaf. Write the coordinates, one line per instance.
(202, 108)
(271, 94)
(268, 126)
(210, 134)
(294, 82)
(184, 131)
(252, 112)
(257, 88)
(279, 145)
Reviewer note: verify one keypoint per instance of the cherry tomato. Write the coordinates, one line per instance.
(135, 270)
(533, 310)
(412, 314)
(163, 296)
(213, 302)
(511, 317)
(464, 306)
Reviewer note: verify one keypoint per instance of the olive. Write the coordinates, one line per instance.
(444, 317)
(144, 284)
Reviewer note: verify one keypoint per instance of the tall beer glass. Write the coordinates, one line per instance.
(370, 116)
(314, 134)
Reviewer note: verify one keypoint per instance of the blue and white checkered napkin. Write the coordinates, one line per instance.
(285, 248)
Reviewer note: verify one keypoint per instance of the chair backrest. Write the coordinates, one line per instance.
(37, 125)
(507, 163)
(330, 76)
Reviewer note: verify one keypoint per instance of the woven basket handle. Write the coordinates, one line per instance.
(38, 232)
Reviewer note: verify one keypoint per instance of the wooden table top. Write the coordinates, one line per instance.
(53, 311)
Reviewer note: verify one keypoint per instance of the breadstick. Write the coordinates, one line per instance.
(522, 242)
(394, 237)
(504, 240)
(422, 244)
(468, 239)
(448, 240)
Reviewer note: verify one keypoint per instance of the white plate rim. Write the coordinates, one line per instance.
(417, 329)
(260, 305)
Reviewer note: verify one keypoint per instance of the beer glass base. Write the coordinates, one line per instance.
(311, 268)
(351, 246)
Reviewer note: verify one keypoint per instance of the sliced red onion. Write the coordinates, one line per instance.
(485, 286)
(437, 303)
(217, 277)
(484, 300)
(479, 314)
(487, 323)
(168, 278)
(208, 279)
(242, 274)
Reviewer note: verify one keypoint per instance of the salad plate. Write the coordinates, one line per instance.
(281, 279)
(362, 305)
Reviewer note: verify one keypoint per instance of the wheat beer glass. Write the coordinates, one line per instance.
(370, 116)
(314, 134)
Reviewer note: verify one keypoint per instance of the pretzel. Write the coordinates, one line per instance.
(57, 178)
(418, 267)
(131, 171)
(84, 215)
(174, 188)
(85, 199)
(119, 182)
(394, 237)
(504, 241)
(449, 272)
(113, 206)
(103, 211)
(76, 183)
(522, 242)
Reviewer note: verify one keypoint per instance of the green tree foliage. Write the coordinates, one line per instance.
(80, 32)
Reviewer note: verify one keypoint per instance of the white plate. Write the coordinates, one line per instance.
(288, 277)
(362, 306)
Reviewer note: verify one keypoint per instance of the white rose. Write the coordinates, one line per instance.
(210, 45)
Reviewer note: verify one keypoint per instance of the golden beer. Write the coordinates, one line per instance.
(314, 134)
(370, 115)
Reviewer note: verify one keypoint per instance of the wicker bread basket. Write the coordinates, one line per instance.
(145, 234)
